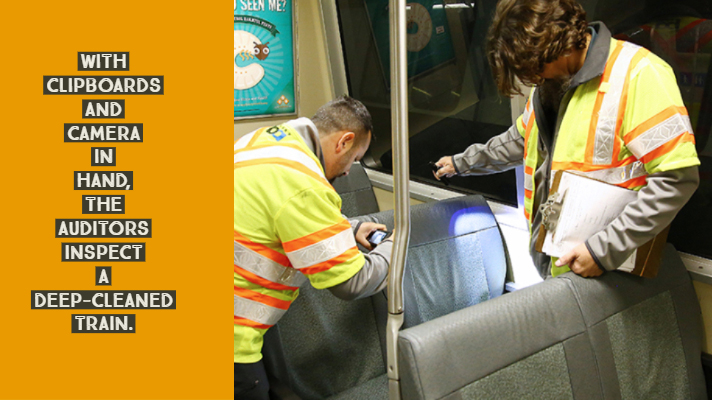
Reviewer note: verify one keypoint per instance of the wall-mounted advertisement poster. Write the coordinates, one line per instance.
(264, 53)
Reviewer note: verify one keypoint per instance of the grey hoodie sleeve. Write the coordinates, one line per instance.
(657, 205)
(355, 224)
(371, 279)
(500, 153)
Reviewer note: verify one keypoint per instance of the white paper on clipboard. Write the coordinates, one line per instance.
(589, 206)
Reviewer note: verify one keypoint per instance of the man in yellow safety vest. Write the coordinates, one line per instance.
(600, 107)
(288, 227)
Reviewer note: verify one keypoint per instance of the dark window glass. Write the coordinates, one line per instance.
(679, 32)
(453, 98)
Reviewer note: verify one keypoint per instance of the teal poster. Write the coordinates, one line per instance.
(264, 58)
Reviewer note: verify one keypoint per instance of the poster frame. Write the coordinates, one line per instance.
(295, 64)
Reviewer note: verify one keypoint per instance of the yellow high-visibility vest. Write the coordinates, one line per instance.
(619, 129)
(288, 228)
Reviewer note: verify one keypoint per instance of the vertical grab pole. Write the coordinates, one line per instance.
(401, 186)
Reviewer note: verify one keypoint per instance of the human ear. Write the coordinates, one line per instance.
(346, 141)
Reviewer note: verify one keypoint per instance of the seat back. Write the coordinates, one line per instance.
(325, 346)
(613, 337)
(356, 191)
(456, 257)
(646, 333)
(520, 345)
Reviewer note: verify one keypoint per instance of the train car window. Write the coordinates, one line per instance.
(680, 33)
(453, 99)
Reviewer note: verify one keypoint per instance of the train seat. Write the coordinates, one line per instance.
(646, 333)
(456, 258)
(327, 347)
(356, 191)
(612, 337)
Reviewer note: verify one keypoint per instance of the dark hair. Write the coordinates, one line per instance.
(343, 114)
(526, 34)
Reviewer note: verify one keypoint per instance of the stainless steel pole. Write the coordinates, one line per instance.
(401, 176)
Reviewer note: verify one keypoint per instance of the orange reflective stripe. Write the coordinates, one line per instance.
(653, 121)
(526, 214)
(668, 147)
(642, 52)
(635, 182)
(590, 142)
(254, 137)
(528, 170)
(576, 166)
(527, 132)
(286, 163)
(585, 167)
(262, 298)
(316, 237)
(527, 194)
(263, 250)
(611, 61)
(326, 265)
(258, 280)
(250, 323)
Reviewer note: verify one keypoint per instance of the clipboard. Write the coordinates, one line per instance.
(645, 261)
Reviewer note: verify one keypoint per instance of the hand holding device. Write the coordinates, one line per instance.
(376, 237)
(441, 170)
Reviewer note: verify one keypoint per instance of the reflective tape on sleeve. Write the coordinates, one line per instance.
(659, 135)
(283, 152)
(323, 250)
(266, 268)
(608, 115)
(256, 311)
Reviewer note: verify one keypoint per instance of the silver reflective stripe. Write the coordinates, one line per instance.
(243, 141)
(266, 268)
(528, 182)
(616, 175)
(525, 117)
(660, 134)
(322, 251)
(283, 152)
(608, 115)
(256, 311)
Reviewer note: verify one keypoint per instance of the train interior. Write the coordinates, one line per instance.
(478, 320)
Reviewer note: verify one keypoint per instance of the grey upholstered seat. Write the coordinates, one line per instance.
(357, 197)
(456, 257)
(327, 347)
(614, 337)
(646, 333)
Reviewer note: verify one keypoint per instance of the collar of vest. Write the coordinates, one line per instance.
(310, 135)
(595, 62)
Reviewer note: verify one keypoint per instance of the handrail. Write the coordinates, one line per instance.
(399, 137)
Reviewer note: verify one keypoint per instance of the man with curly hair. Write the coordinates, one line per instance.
(599, 107)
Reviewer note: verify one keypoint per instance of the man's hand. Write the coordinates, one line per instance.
(580, 261)
(364, 230)
(447, 168)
